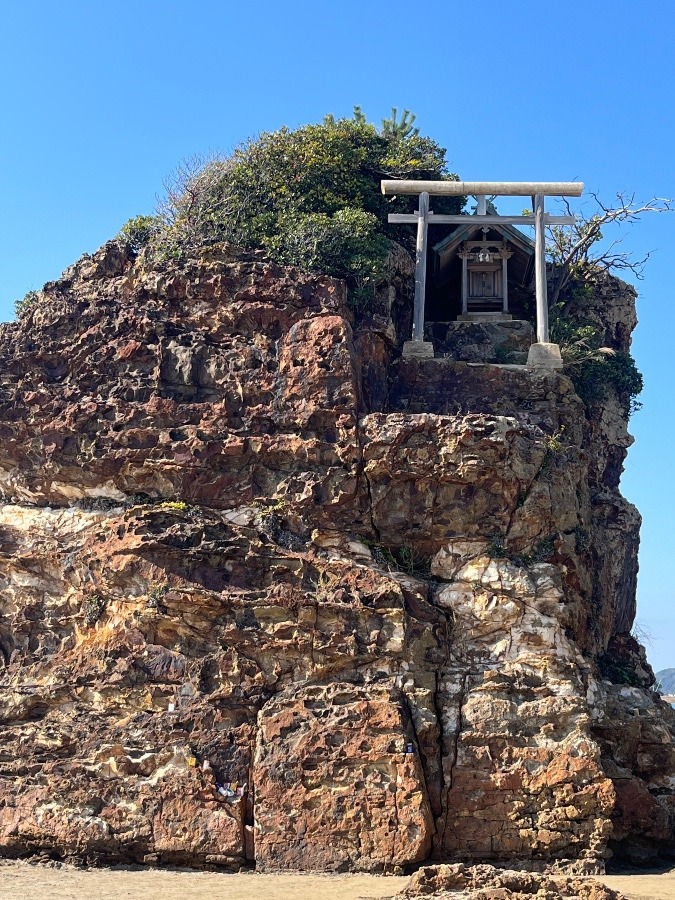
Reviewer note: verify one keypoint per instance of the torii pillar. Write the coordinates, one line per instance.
(543, 354)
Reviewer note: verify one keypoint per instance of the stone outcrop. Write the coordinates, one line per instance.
(482, 342)
(487, 883)
(244, 543)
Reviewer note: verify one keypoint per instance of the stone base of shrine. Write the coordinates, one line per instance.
(544, 356)
(485, 317)
(418, 350)
(504, 342)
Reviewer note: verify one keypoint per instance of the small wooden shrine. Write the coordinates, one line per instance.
(477, 262)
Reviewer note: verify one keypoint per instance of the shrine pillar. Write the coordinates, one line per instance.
(420, 267)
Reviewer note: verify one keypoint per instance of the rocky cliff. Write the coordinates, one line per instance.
(244, 543)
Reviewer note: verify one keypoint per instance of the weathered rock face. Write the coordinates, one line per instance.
(487, 883)
(337, 789)
(482, 342)
(242, 544)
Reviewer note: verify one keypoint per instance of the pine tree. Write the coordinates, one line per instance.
(392, 129)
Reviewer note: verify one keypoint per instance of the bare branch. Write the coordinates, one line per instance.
(574, 253)
(184, 187)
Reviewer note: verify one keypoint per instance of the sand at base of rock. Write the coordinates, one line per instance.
(643, 887)
(20, 879)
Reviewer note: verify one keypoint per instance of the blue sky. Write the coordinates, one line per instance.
(101, 101)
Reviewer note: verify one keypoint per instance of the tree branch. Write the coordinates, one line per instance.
(573, 251)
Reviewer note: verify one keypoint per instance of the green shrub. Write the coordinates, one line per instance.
(401, 559)
(310, 197)
(174, 505)
(92, 609)
(495, 548)
(595, 371)
(582, 538)
(156, 595)
(576, 341)
(555, 443)
(413, 561)
(139, 231)
(594, 378)
(541, 552)
(618, 671)
(26, 303)
(347, 243)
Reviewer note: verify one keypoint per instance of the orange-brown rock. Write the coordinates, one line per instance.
(488, 883)
(338, 790)
(272, 594)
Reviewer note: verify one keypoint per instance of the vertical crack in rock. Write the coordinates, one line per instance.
(450, 745)
(362, 477)
(458, 731)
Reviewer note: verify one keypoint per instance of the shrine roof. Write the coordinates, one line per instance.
(465, 232)
(521, 264)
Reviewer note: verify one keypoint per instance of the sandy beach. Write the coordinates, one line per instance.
(640, 886)
(38, 882)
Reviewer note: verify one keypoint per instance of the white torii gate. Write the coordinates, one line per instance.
(481, 189)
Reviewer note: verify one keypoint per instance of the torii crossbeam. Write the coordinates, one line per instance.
(482, 189)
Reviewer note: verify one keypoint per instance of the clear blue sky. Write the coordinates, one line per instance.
(102, 100)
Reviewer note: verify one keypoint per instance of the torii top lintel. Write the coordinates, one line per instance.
(484, 188)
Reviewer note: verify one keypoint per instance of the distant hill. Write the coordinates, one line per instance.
(666, 680)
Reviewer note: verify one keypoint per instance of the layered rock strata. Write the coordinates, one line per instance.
(272, 595)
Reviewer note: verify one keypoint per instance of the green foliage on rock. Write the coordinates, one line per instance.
(618, 671)
(596, 371)
(92, 609)
(594, 378)
(174, 505)
(401, 559)
(309, 196)
(347, 245)
(542, 551)
(26, 303)
(139, 231)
